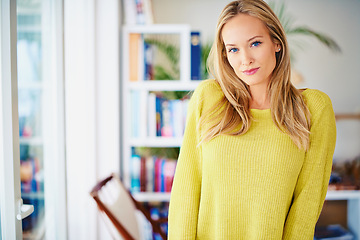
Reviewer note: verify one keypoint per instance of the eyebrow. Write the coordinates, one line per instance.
(259, 36)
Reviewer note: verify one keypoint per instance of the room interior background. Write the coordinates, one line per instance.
(92, 53)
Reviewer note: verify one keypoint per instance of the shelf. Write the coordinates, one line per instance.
(31, 140)
(164, 197)
(33, 195)
(342, 195)
(156, 142)
(151, 197)
(30, 85)
(169, 85)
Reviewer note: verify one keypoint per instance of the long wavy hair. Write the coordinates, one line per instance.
(232, 115)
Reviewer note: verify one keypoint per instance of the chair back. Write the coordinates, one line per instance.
(117, 204)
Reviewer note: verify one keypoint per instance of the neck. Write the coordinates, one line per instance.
(259, 97)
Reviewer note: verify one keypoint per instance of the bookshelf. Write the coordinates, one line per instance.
(136, 107)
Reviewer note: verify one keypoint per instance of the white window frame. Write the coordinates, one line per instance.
(11, 228)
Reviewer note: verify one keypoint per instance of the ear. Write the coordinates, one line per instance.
(277, 47)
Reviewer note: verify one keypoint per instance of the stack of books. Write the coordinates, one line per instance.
(152, 174)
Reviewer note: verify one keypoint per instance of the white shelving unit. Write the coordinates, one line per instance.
(144, 87)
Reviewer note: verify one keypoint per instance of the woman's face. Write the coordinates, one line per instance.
(250, 49)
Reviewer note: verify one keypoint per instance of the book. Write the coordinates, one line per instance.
(177, 117)
(169, 172)
(195, 56)
(143, 114)
(151, 117)
(333, 232)
(149, 52)
(135, 113)
(150, 174)
(162, 175)
(129, 12)
(140, 17)
(166, 126)
(158, 108)
(135, 173)
(148, 11)
(135, 55)
(157, 171)
(143, 174)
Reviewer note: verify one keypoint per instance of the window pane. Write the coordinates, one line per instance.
(29, 61)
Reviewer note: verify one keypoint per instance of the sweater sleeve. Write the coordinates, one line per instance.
(310, 190)
(185, 192)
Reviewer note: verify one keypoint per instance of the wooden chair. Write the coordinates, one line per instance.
(120, 207)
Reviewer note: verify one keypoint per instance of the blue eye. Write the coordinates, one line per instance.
(255, 44)
(233, 50)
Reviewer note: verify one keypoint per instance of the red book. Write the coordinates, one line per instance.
(157, 175)
(169, 172)
(142, 174)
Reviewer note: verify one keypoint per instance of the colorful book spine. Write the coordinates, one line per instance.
(135, 50)
(159, 118)
(158, 103)
(195, 56)
(143, 174)
(135, 113)
(152, 174)
(170, 117)
(166, 126)
(148, 61)
(140, 17)
(152, 118)
(135, 173)
(169, 172)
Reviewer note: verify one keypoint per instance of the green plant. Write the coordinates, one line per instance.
(172, 54)
(169, 153)
(205, 50)
(291, 30)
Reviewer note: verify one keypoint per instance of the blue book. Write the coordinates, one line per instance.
(162, 174)
(158, 103)
(195, 56)
(148, 61)
(135, 173)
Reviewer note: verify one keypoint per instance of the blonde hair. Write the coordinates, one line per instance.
(232, 115)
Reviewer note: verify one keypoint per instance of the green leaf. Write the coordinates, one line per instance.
(288, 21)
(324, 39)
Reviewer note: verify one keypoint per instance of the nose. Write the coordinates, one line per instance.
(246, 58)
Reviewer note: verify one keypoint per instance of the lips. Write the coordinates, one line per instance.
(251, 71)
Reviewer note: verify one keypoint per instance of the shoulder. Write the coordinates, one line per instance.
(206, 95)
(209, 86)
(316, 100)
(319, 104)
(208, 91)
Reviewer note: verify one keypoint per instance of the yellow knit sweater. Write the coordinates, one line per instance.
(255, 186)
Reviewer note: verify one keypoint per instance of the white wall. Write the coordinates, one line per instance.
(338, 75)
(91, 39)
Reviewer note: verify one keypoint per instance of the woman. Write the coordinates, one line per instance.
(257, 152)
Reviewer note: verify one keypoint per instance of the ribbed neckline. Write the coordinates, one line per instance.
(303, 93)
(264, 113)
(260, 113)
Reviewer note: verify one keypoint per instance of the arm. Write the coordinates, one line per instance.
(310, 190)
(185, 192)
